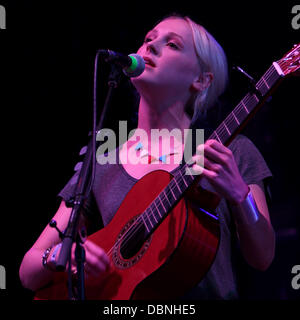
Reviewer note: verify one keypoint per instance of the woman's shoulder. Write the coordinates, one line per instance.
(241, 143)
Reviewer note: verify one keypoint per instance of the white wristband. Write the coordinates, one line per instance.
(246, 211)
(54, 254)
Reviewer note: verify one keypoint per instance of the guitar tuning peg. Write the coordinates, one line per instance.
(78, 166)
(83, 150)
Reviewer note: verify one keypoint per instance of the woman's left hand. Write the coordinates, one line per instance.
(220, 170)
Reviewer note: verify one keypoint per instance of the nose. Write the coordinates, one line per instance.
(152, 47)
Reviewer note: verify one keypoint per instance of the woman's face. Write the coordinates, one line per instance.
(170, 57)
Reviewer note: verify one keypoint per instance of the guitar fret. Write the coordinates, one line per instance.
(265, 82)
(230, 124)
(145, 224)
(172, 193)
(149, 218)
(153, 215)
(156, 209)
(228, 131)
(241, 113)
(269, 78)
(183, 179)
(177, 184)
(254, 96)
(236, 119)
(162, 204)
(243, 104)
(167, 197)
(217, 136)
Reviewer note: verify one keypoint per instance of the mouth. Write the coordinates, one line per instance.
(149, 62)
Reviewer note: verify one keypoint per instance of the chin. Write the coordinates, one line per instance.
(145, 81)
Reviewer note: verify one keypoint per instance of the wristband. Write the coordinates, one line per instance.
(52, 263)
(246, 211)
(53, 255)
(45, 257)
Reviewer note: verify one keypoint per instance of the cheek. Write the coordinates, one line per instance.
(182, 71)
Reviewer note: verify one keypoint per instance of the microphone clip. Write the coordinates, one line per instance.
(53, 224)
(253, 87)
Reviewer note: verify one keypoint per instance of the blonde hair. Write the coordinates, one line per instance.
(212, 59)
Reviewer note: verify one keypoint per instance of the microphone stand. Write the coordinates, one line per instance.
(81, 193)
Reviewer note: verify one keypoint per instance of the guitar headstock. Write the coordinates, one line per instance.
(290, 63)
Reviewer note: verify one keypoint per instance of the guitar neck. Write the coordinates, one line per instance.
(225, 133)
(248, 106)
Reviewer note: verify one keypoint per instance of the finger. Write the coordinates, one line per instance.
(97, 251)
(207, 163)
(209, 174)
(219, 147)
(212, 154)
(95, 268)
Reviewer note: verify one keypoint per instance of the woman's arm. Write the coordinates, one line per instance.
(34, 275)
(257, 239)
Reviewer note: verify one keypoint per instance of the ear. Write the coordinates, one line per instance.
(203, 81)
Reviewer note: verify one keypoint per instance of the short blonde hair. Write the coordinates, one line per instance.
(212, 59)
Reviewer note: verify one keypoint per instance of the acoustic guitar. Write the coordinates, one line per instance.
(164, 238)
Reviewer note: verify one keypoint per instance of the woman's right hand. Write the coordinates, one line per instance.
(96, 260)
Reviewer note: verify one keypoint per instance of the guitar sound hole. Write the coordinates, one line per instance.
(133, 241)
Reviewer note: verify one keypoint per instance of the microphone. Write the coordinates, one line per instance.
(133, 65)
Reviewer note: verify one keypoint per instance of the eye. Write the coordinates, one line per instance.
(147, 39)
(173, 45)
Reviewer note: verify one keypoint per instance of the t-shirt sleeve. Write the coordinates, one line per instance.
(90, 208)
(68, 190)
(252, 166)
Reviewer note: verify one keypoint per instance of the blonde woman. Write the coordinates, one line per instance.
(186, 71)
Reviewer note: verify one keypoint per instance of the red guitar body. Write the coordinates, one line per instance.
(173, 260)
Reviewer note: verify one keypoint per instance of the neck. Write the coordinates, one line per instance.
(157, 115)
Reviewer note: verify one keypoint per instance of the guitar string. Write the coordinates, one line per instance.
(135, 226)
(230, 119)
(270, 74)
(127, 236)
(240, 108)
(139, 221)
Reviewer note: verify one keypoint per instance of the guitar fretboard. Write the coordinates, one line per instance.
(233, 122)
(166, 200)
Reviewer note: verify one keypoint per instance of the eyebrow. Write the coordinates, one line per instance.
(174, 34)
(170, 33)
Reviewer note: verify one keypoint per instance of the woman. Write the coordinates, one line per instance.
(186, 71)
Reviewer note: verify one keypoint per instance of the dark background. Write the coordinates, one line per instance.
(47, 59)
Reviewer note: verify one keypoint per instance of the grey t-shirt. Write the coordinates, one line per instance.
(112, 183)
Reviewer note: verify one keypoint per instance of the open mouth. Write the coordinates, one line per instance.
(149, 62)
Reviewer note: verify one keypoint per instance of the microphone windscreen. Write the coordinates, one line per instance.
(137, 66)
